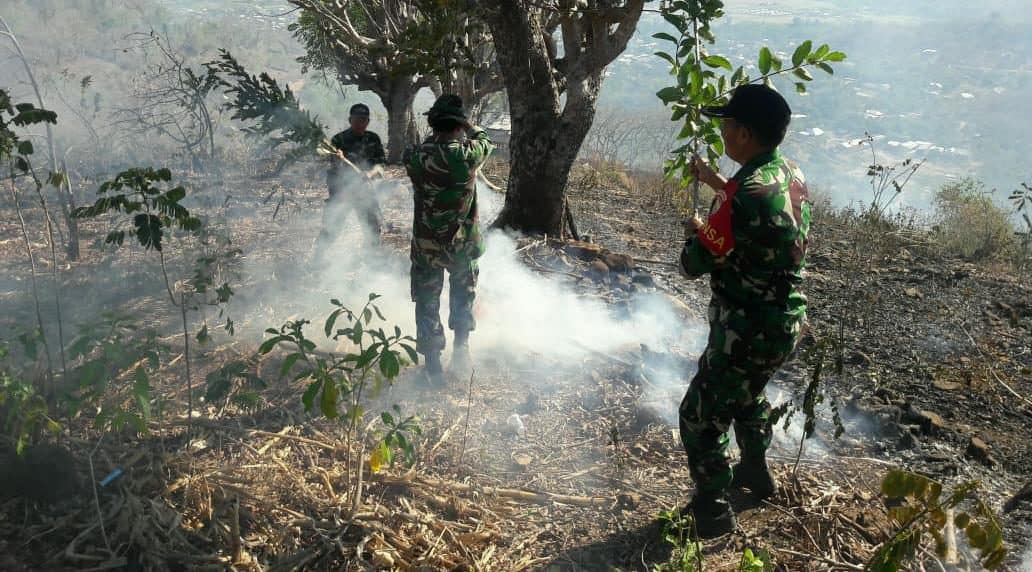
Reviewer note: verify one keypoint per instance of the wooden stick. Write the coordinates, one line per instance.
(214, 425)
(817, 557)
(660, 262)
(950, 537)
(512, 494)
(271, 442)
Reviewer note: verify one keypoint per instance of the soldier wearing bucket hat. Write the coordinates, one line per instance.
(753, 246)
(446, 230)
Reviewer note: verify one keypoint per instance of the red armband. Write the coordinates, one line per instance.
(716, 235)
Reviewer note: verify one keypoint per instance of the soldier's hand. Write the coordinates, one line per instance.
(692, 226)
(340, 154)
(706, 175)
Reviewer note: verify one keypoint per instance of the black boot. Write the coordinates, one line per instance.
(461, 361)
(752, 473)
(432, 368)
(713, 515)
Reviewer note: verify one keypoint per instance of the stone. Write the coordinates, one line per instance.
(598, 270)
(1024, 496)
(907, 437)
(978, 450)
(619, 262)
(931, 423)
(859, 358)
(945, 385)
(583, 250)
(643, 279)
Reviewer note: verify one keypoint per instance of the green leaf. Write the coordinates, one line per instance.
(718, 62)
(826, 68)
(668, 94)
(389, 365)
(148, 230)
(270, 343)
(202, 335)
(894, 484)
(331, 321)
(835, 57)
(57, 179)
(801, 52)
(115, 237)
(961, 519)
(25, 147)
(665, 36)
(800, 87)
(288, 363)
(669, 58)
(697, 83)
(821, 52)
(308, 398)
(141, 392)
(387, 419)
(328, 403)
(413, 356)
(765, 60)
(802, 74)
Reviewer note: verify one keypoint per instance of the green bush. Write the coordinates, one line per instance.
(971, 225)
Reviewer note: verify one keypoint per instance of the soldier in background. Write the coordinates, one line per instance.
(446, 230)
(753, 246)
(359, 154)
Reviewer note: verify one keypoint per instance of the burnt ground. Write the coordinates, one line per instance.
(925, 343)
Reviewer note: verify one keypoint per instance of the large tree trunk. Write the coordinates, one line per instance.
(546, 136)
(401, 126)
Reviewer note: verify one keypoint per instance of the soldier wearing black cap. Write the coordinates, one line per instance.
(753, 246)
(349, 188)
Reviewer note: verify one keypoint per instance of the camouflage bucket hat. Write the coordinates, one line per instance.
(448, 106)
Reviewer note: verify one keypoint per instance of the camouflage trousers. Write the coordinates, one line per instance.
(744, 350)
(427, 282)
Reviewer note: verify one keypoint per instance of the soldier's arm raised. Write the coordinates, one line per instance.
(477, 147)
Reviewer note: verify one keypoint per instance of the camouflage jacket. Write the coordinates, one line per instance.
(754, 243)
(364, 150)
(445, 220)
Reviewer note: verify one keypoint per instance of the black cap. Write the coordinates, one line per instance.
(359, 110)
(758, 107)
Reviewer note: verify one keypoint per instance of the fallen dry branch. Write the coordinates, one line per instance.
(532, 497)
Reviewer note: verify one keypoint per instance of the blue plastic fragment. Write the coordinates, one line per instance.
(111, 477)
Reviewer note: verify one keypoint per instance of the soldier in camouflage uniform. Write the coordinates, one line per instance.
(349, 189)
(446, 230)
(753, 246)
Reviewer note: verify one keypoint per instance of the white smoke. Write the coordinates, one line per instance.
(522, 315)
(1026, 559)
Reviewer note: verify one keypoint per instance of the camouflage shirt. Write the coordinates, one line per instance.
(754, 243)
(443, 172)
(364, 150)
